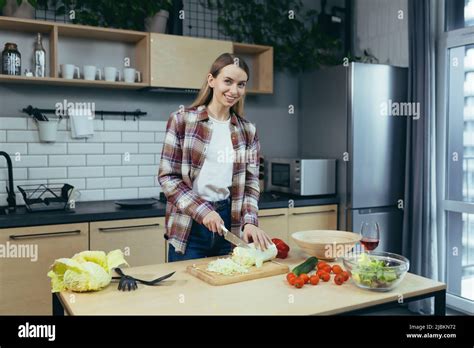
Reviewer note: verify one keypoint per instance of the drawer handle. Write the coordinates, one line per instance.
(114, 229)
(271, 215)
(315, 212)
(50, 234)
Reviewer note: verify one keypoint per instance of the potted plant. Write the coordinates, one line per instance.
(18, 8)
(299, 43)
(122, 14)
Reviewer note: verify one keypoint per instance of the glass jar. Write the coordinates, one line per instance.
(11, 60)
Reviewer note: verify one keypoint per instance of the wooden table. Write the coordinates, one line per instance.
(183, 294)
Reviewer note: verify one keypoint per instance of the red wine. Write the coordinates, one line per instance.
(369, 243)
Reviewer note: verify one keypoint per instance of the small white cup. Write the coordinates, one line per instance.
(68, 71)
(129, 75)
(110, 73)
(90, 72)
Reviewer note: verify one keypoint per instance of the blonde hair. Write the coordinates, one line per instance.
(205, 94)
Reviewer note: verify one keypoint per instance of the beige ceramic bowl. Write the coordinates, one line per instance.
(326, 244)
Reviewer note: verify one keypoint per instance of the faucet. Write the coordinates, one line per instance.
(11, 199)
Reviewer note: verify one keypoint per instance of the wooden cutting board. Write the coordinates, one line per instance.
(269, 268)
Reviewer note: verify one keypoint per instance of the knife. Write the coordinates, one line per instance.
(233, 238)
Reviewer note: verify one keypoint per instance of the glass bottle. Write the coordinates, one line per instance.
(39, 57)
(11, 60)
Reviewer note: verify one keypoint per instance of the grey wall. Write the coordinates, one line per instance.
(378, 28)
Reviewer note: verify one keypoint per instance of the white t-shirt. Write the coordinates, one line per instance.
(215, 177)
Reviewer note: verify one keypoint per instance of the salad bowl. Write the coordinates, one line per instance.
(379, 271)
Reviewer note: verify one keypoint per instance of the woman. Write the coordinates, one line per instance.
(209, 168)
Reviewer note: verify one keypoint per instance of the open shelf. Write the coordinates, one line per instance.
(260, 61)
(87, 45)
(66, 43)
(58, 81)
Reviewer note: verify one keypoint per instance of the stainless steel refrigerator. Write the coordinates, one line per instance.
(348, 113)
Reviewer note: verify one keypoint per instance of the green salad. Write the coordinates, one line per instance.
(373, 273)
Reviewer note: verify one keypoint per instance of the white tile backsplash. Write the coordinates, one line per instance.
(47, 149)
(99, 183)
(152, 126)
(104, 137)
(138, 181)
(135, 159)
(22, 136)
(13, 123)
(46, 173)
(90, 195)
(30, 161)
(148, 170)
(121, 171)
(13, 148)
(150, 148)
(120, 161)
(85, 148)
(85, 172)
(121, 148)
(18, 173)
(120, 125)
(105, 160)
(79, 184)
(159, 137)
(147, 192)
(137, 137)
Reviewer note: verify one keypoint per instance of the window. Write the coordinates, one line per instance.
(455, 81)
(459, 14)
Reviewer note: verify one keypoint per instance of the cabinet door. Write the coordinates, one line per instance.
(274, 222)
(322, 217)
(24, 287)
(141, 240)
(183, 62)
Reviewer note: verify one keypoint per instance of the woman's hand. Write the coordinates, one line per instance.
(261, 240)
(213, 222)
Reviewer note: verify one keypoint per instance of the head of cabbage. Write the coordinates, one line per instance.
(85, 271)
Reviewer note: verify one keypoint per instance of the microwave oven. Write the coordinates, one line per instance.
(299, 176)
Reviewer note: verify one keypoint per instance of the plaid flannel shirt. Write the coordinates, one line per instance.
(188, 134)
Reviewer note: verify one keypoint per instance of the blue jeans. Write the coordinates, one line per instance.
(204, 243)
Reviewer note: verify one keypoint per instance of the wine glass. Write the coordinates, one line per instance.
(370, 233)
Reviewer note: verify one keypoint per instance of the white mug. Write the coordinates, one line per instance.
(90, 72)
(111, 73)
(68, 70)
(129, 75)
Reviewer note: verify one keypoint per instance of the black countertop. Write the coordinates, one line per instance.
(108, 210)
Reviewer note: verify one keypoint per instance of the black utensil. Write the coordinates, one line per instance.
(128, 283)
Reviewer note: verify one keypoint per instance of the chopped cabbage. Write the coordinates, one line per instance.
(85, 271)
(242, 259)
(226, 266)
(252, 256)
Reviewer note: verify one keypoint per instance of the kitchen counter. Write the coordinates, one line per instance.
(183, 294)
(108, 210)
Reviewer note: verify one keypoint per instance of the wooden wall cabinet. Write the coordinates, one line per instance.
(141, 240)
(79, 45)
(24, 287)
(182, 61)
(164, 61)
